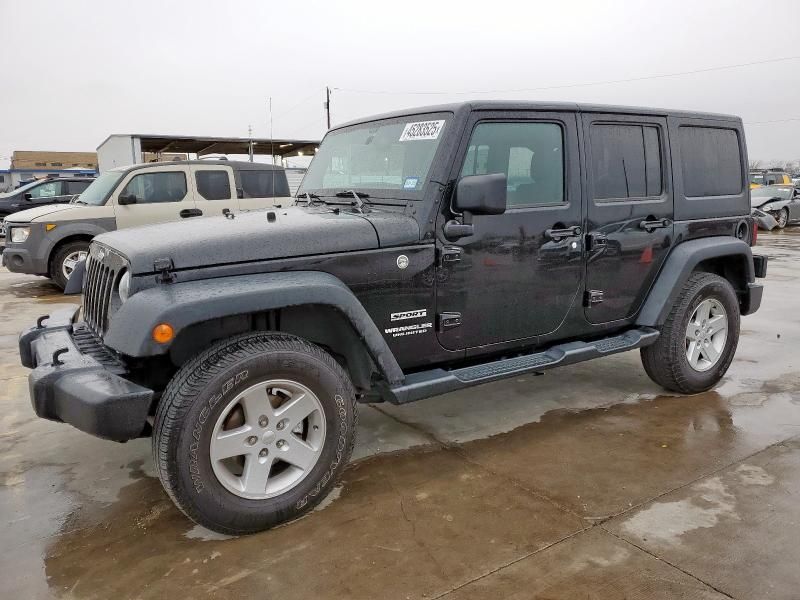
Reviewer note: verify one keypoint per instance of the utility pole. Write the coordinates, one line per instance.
(250, 143)
(328, 104)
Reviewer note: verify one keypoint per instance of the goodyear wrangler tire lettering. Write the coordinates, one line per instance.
(196, 400)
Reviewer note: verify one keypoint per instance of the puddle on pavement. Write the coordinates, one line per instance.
(403, 513)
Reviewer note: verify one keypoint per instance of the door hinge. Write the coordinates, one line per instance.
(448, 320)
(449, 255)
(592, 297)
(163, 268)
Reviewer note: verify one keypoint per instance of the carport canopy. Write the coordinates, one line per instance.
(159, 144)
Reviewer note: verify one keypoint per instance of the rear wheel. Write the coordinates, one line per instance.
(254, 432)
(65, 259)
(698, 339)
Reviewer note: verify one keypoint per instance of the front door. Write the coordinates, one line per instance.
(518, 275)
(49, 192)
(630, 211)
(161, 195)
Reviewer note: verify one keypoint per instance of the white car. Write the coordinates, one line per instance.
(52, 240)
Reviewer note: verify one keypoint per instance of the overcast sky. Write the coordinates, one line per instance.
(75, 72)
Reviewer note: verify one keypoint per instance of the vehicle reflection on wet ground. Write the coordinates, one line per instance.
(589, 482)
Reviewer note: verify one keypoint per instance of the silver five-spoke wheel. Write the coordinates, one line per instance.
(71, 261)
(706, 335)
(268, 439)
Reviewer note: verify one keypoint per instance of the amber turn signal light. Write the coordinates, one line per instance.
(163, 333)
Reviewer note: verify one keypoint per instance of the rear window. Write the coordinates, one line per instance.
(710, 160)
(264, 184)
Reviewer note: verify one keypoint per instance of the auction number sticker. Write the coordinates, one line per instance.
(422, 130)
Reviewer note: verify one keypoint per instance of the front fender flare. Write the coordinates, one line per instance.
(680, 264)
(187, 303)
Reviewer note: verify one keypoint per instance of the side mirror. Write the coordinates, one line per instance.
(125, 199)
(482, 194)
(27, 196)
(476, 195)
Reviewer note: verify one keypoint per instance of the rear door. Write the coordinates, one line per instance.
(630, 211)
(517, 276)
(261, 188)
(214, 189)
(162, 194)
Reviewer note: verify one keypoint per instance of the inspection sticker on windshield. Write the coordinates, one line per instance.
(410, 183)
(422, 130)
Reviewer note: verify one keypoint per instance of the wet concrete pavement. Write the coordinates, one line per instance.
(589, 482)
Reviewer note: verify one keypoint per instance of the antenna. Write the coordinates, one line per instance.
(328, 104)
(272, 145)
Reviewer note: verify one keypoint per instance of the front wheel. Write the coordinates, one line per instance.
(254, 432)
(783, 218)
(65, 259)
(698, 339)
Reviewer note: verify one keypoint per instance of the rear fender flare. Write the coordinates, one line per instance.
(681, 263)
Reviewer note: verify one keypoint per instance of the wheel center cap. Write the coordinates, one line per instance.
(268, 437)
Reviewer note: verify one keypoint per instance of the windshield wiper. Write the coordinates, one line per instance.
(359, 198)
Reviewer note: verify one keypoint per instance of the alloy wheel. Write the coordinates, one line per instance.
(268, 439)
(706, 335)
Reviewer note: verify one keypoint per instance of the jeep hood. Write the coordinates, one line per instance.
(252, 236)
(31, 214)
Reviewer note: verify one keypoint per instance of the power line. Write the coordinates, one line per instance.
(773, 121)
(573, 85)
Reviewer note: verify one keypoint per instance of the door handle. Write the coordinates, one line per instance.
(559, 234)
(650, 224)
(191, 212)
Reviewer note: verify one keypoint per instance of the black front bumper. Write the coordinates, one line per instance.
(76, 380)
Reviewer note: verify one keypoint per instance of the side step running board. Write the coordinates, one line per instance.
(417, 386)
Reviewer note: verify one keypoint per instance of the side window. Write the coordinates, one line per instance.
(710, 160)
(46, 190)
(76, 187)
(626, 161)
(151, 188)
(213, 185)
(530, 154)
(264, 184)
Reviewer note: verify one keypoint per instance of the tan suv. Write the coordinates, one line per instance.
(51, 240)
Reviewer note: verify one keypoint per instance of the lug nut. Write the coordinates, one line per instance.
(281, 425)
(252, 440)
(263, 421)
(263, 452)
(280, 444)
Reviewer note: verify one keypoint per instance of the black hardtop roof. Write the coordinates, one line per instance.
(542, 106)
(236, 165)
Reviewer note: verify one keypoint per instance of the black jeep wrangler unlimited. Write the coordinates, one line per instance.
(427, 251)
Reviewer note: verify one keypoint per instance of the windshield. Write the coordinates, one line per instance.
(377, 157)
(99, 190)
(771, 192)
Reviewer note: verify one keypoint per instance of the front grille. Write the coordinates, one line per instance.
(99, 288)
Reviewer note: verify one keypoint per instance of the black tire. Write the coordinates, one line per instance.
(782, 218)
(190, 406)
(58, 258)
(665, 361)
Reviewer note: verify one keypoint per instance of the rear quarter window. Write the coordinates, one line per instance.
(710, 161)
(264, 184)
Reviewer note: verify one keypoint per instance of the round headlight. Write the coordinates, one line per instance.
(124, 286)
